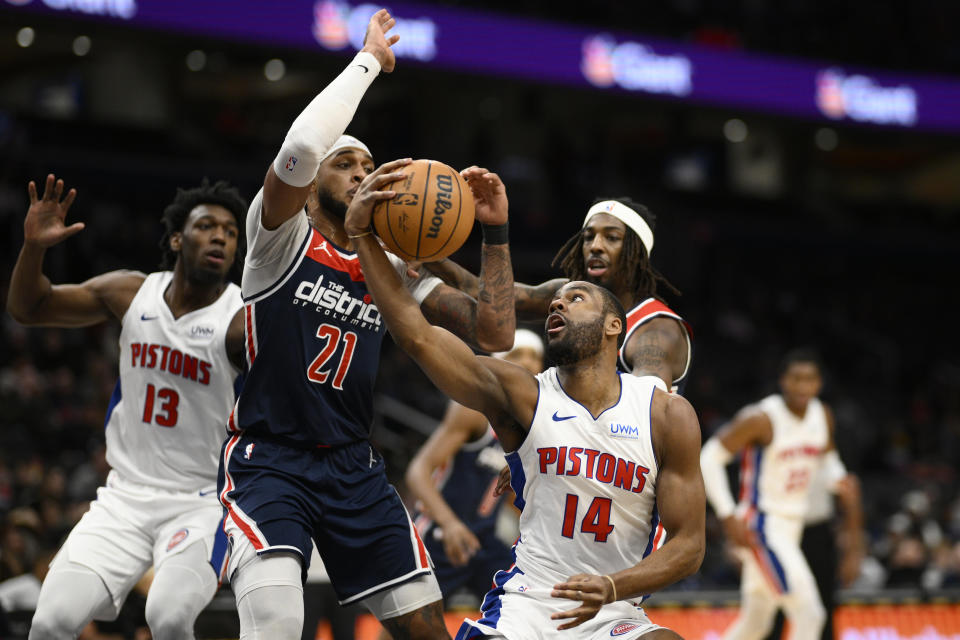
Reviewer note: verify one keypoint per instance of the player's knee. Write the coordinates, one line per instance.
(52, 623)
(169, 621)
(277, 625)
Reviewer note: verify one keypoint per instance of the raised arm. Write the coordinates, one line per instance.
(495, 388)
(658, 348)
(33, 299)
(288, 181)
(681, 505)
(460, 426)
(749, 426)
(530, 301)
(488, 319)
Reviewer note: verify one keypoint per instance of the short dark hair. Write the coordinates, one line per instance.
(611, 304)
(634, 265)
(175, 217)
(805, 355)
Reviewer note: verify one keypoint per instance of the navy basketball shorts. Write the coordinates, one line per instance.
(477, 575)
(280, 497)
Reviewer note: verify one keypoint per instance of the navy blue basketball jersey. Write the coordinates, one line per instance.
(313, 337)
(467, 484)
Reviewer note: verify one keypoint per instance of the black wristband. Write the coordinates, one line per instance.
(495, 233)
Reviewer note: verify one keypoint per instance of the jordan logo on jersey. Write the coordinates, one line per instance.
(335, 300)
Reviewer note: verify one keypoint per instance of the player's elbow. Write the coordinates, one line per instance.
(691, 557)
(20, 312)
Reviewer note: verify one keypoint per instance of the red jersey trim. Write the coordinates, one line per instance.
(325, 252)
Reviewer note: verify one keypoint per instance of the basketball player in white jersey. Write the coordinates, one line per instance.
(181, 349)
(786, 440)
(611, 249)
(598, 458)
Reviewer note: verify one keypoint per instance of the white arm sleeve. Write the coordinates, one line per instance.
(419, 287)
(833, 469)
(714, 458)
(323, 121)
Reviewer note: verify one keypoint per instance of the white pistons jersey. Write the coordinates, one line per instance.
(167, 416)
(776, 478)
(589, 484)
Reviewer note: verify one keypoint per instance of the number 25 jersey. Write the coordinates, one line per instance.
(586, 486)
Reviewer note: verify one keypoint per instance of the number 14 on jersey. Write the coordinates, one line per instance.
(596, 520)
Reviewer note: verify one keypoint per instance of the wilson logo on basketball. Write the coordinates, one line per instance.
(622, 629)
(177, 538)
(442, 205)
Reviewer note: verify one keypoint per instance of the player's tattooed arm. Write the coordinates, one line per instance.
(496, 320)
(530, 301)
(658, 348)
(33, 299)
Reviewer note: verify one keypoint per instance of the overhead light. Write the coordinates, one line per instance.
(196, 60)
(274, 69)
(25, 37)
(81, 45)
(735, 130)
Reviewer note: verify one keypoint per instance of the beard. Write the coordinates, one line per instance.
(331, 205)
(577, 343)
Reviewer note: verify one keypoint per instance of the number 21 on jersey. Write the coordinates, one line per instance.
(332, 335)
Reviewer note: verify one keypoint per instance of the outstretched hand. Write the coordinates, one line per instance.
(370, 192)
(44, 225)
(376, 42)
(489, 195)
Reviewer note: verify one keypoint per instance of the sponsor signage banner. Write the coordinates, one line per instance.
(471, 41)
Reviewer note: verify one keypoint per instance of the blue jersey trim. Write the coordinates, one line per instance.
(518, 479)
(613, 406)
(238, 385)
(115, 398)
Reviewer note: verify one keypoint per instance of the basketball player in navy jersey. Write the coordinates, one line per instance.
(598, 458)
(298, 464)
(612, 249)
(181, 352)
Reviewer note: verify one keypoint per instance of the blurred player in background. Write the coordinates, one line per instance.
(597, 458)
(454, 476)
(298, 463)
(820, 542)
(612, 249)
(181, 354)
(786, 439)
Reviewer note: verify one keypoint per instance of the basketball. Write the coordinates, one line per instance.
(431, 215)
